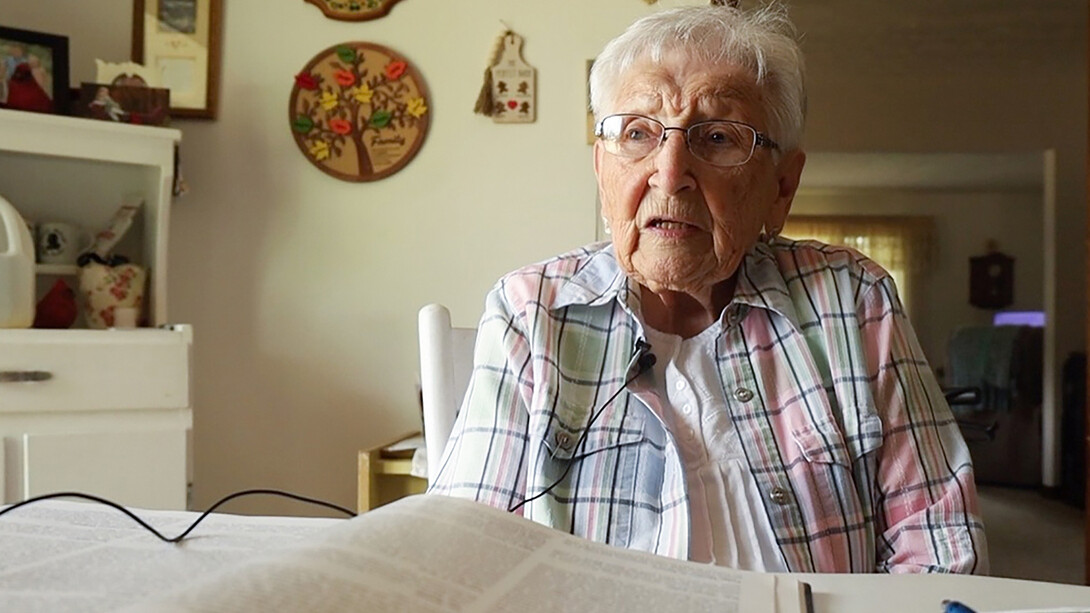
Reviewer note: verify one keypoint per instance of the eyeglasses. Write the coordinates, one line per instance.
(719, 142)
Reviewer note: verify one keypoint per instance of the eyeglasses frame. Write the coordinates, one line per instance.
(760, 139)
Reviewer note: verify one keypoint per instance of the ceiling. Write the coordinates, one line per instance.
(958, 34)
(989, 37)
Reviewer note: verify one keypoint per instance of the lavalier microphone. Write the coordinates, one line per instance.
(644, 361)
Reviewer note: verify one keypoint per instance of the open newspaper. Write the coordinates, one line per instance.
(433, 553)
(59, 556)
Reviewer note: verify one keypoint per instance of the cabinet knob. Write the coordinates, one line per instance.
(24, 376)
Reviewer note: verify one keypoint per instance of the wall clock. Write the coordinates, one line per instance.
(359, 111)
(354, 10)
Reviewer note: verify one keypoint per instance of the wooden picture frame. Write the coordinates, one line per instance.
(354, 10)
(135, 104)
(34, 71)
(182, 38)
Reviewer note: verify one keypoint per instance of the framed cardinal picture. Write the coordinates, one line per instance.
(33, 71)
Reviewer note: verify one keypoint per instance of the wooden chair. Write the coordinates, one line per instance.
(446, 364)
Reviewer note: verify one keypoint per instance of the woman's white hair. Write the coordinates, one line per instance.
(763, 41)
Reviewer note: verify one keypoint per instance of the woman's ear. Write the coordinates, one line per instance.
(788, 175)
(598, 153)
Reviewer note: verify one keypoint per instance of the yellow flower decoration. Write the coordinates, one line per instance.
(328, 100)
(362, 94)
(416, 107)
(320, 150)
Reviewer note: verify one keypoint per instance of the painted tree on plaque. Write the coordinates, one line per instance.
(359, 111)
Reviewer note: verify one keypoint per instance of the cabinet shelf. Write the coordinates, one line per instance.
(61, 270)
(80, 171)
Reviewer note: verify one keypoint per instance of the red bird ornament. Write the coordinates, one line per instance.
(24, 92)
(57, 309)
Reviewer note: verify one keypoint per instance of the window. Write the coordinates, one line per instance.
(900, 244)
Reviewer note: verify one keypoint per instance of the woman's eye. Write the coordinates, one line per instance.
(720, 138)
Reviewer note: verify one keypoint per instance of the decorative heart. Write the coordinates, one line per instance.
(107, 288)
(512, 104)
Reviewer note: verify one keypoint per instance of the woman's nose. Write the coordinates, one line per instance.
(673, 163)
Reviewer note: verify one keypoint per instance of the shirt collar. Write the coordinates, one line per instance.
(600, 280)
(761, 282)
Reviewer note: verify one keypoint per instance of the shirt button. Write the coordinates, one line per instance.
(563, 439)
(743, 395)
(687, 409)
(680, 384)
(779, 496)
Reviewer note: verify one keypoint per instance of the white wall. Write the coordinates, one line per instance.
(303, 290)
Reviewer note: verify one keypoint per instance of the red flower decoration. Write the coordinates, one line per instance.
(306, 81)
(395, 69)
(344, 78)
(340, 126)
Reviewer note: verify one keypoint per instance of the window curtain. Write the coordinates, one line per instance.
(903, 245)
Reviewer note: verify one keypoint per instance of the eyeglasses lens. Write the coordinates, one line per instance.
(721, 143)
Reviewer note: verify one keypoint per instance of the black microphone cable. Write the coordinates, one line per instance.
(644, 363)
(177, 539)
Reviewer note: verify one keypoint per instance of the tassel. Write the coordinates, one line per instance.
(484, 104)
(484, 99)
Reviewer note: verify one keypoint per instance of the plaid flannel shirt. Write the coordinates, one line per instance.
(858, 458)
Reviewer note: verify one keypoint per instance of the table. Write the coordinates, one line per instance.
(925, 593)
(385, 472)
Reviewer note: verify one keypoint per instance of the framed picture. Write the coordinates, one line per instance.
(354, 10)
(135, 104)
(181, 40)
(33, 71)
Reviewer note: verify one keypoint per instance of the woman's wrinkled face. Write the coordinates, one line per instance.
(679, 223)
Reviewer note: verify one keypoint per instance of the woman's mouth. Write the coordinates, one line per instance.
(670, 225)
(672, 228)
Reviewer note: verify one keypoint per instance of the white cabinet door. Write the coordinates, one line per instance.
(104, 412)
(139, 468)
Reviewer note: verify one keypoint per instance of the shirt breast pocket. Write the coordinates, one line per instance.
(607, 476)
(825, 465)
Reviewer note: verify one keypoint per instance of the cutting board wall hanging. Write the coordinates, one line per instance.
(508, 93)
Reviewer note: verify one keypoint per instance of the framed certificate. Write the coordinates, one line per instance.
(181, 38)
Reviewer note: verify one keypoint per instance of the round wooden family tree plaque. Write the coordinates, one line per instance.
(354, 10)
(359, 111)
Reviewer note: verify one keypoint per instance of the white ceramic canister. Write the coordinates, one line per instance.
(16, 269)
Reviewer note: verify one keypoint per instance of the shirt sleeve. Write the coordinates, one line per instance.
(485, 456)
(928, 515)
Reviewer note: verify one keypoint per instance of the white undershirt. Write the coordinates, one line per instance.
(729, 524)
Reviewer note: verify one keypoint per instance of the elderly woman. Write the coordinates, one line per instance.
(701, 388)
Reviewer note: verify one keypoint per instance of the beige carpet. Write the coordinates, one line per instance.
(1032, 537)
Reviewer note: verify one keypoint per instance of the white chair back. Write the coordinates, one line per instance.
(446, 364)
